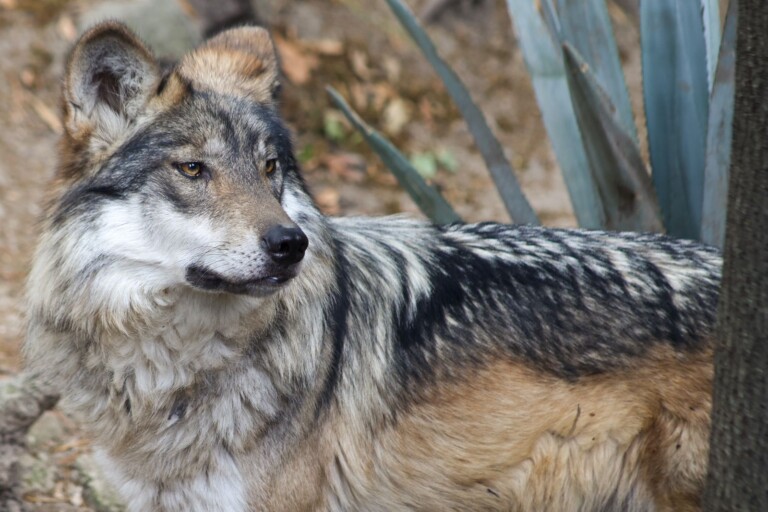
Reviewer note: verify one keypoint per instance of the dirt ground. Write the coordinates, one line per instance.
(354, 45)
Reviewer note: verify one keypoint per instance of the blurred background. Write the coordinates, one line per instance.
(358, 47)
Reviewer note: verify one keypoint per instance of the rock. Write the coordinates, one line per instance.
(98, 493)
(52, 507)
(162, 24)
(44, 431)
(38, 474)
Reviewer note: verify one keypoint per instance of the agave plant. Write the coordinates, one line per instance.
(571, 55)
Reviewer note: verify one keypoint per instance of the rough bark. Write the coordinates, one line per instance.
(22, 401)
(738, 474)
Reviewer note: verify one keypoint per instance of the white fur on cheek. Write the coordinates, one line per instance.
(177, 240)
(172, 242)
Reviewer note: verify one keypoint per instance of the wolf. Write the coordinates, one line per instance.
(229, 348)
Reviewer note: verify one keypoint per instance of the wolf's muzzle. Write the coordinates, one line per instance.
(286, 245)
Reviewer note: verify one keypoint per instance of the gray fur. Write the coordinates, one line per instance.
(197, 399)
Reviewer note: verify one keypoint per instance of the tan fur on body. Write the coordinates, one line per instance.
(508, 439)
(304, 396)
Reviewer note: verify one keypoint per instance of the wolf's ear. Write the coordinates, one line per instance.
(240, 61)
(109, 76)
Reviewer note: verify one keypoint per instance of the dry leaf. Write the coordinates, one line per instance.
(9, 4)
(359, 96)
(381, 93)
(45, 113)
(67, 28)
(27, 77)
(425, 108)
(396, 115)
(16, 103)
(392, 68)
(72, 444)
(348, 166)
(297, 64)
(39, 498)
(359, 62)
(58, 491)
(69, 458)
(188, 9)
(329, 47)
(328, 201)
(75, 495)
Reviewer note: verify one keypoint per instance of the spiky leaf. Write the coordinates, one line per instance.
(719, 134)
(586, 25)
(618, 169)
(676, 105)
(551, 20)
(501, 171)
(428, 199)
(544, 62)
(710, 15)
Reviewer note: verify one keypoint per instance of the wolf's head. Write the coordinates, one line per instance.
(185, 176)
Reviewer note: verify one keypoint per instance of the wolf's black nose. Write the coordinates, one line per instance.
(286, 245)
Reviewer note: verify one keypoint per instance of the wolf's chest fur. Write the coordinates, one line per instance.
(182, 409)
(232, 349)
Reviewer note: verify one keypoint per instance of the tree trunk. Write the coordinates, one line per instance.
(738, 472)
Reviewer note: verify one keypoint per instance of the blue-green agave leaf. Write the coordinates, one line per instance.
(545, 65)
(586, 25)
(618, 169)
(429, 200)
(719, 134)
(676, 106)
(551, 20)
(710, 15)
(501, 171)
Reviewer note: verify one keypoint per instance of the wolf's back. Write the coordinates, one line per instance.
(570, 302)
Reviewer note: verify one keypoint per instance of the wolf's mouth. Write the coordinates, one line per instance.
(209, 280)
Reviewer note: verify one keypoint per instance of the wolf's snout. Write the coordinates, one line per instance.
(286, 245)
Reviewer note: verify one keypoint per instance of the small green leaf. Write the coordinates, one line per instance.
(425, 164)
(447, 160)
(332, 126)
(306, 153)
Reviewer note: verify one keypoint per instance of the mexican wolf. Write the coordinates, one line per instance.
(229, 348)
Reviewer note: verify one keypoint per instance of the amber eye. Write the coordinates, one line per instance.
(270, 166)
(189, 169)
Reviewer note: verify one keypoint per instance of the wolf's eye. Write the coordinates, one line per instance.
(270, 166)
(189, 169)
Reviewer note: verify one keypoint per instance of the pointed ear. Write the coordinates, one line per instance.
(109, 77)
(240, 61)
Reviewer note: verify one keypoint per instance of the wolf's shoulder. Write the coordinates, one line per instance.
(572, 301)
(532, 243)
(580, 239)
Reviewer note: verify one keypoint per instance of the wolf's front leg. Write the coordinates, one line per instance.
(218, 487)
